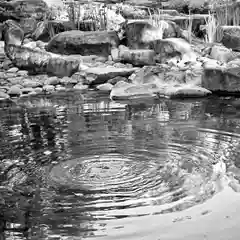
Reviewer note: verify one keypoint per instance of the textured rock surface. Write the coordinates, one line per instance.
(224, 78)
(137, 57)
(84, 43)
(231, 37)
(139, 33)
(100, 75)
(126, 91)
(12, 33)
(223, 54)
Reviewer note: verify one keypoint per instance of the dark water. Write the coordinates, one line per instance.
(94, 161)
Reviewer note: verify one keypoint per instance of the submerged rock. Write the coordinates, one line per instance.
(98, 75)
(156, 89)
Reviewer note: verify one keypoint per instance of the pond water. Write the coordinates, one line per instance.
(95, 162)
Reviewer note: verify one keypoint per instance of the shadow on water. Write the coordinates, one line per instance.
(85, 162)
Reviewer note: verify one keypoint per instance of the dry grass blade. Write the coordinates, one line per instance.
(211, 28)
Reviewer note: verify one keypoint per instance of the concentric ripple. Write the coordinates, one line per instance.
(174, 174)
(108, 172)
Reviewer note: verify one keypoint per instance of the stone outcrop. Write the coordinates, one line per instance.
(127, 91)
(157, 82)
(172, 47)
(138, 33)
(223, 54)
(35, 61)
(137, 57)
(12, 33)
(222, 78)
(231, 37)
(100, 75)
(84, 43)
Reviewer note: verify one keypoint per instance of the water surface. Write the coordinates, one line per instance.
(94, 161)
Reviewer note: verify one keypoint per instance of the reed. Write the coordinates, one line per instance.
(211, 28)
(157, 21)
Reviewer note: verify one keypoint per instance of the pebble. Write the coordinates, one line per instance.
(80, 87)
(27, 90)
(105, 87)
(52, 81)
(14, 91)
(22, 73)
(12, 70)
(48, 88)
(3, 95)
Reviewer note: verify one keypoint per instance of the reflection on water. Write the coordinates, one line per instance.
(95, 161)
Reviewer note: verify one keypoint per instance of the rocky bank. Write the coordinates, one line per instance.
(137, 59)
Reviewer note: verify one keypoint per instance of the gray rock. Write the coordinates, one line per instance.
(4, 89)
(139, 57)
(60, 88)
(31, 83)
(38, 89)
(14, 91)
(102, 75)
(27, 90)
(85, 43)
(7, 64)
(3, 75)
(222, 54)
(15, 80)
(223, 78)
(119, 65)
(3, 95)
(78, 77)
(52, 81)
(11, 75)
(49, 88)
(105, 87)
(113, 81)
(231, 37)
(80, 86)
(12, 70)
(22, 73)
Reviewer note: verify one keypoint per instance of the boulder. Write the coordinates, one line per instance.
(139, 33)
(231, 37)
(172, 47)
(84, 43)
(183, 22)
(99, 75)
(223, 54)
(131, 12)
(62, 67)
(223, 79)
(127, 91)
(137, 57)
(18, 9)
(12, 33)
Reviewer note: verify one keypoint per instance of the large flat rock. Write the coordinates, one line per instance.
(84, 43)
(100, 75)
(128, 91)
(221, 78)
